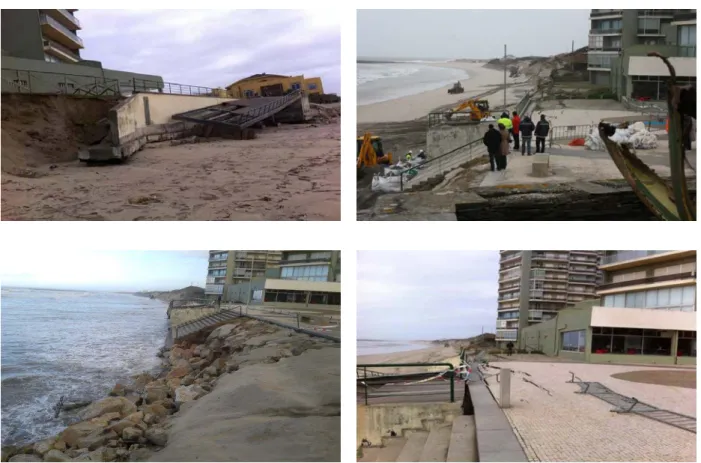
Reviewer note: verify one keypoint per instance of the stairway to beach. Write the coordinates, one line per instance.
(207, 321)
(435, 441)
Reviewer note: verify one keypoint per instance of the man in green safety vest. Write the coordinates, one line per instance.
(508, 125)
(409, 155)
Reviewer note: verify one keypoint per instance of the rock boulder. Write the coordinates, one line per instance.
(56, 455)
(111, 404)
(157, 436)
(25, 457)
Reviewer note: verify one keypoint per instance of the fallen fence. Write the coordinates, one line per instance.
(420, 386)
(624, 404)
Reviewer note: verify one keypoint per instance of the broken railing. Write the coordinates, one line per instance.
(434, 385)
(442, 163)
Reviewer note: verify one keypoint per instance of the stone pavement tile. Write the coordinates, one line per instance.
(566, 426)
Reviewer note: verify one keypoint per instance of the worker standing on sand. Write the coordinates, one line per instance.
(504, 148)
(492, 140)
(542, 129)
(516, 121)
(506, 122)
(526, 127)
(409, 155)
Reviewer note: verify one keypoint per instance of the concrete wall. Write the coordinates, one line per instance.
(374, 421)
(145, 115)
(445, 138)
(546, 336)
(239, 292)
(181, 315)
(21, 34)
(643, 318)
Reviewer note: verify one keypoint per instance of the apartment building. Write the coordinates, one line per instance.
(619, 41)
(311, 265)
(227, 268)
(645, 312)
(48, 35)
(535, 285)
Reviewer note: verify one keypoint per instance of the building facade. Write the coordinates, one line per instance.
(49, 35)
(645, 313)
(619, 41)
(273, 85)
(535, 285)
(227, 268)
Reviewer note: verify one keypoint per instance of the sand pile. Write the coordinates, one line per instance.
(46, 129)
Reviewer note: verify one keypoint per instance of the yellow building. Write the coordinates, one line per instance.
(273, 85)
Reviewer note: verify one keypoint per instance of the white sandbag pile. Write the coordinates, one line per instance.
(636, 135)
(391, 184)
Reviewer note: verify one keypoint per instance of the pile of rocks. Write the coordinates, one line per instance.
(133, 423)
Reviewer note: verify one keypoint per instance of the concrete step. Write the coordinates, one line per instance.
(370, 453)
(393, 446)
(463, 439)
(414, 445)
(436, 448)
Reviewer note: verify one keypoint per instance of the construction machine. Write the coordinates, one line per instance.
(370, 153)
(479, 109)
(456, 88)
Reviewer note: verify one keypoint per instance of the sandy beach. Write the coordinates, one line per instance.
(288, 173)
(433, 353)
(479, 80)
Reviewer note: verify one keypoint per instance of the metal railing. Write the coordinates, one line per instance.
(68, 15)
(52, 83)
(439, 162)
(261, 112)
(615, 30)
(48, 20)
(157, 86)
(423, 382)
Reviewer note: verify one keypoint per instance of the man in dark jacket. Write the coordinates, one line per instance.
(542, 129)
(492, 140)
(526, 128)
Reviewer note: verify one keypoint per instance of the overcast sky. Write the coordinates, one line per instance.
(215, 48)
(478, 34)
(58, 268)
(426, 295)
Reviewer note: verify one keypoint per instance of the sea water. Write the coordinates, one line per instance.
(75, 344)
(378, 82)
(366, 347)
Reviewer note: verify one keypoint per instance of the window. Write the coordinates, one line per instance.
(296, 86)
(648, 25)
(305, 272)
(686, 345)
(574, 341)
(630, 341)
(51, 59)
(312, 86)
(248, 93)
(320, 255)
(596, 41)
(680, 298)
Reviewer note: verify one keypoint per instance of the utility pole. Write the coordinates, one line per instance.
(505, 77)
(250, 284)
(572, 57)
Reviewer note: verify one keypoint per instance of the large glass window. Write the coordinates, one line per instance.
(305, 272)
(686, 344)
(630, 341)
(574, 341)
(679, 298)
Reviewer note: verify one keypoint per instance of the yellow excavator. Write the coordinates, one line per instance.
(479, 109)
(370, 153)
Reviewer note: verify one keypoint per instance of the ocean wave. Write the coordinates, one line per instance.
(372, 72)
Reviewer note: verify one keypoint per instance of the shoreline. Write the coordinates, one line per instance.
(481, 80)
(141, 418)
(430, 354)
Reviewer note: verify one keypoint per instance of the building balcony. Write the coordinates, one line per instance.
(651, 33)
(304, 262)
(509, 297)
(689, 15)
(65, 17)
(56, 31)
(648, 281)
(655, 13)
(60, 52)
(551, 257)
(599, 14)
(614, 31)
(625, 259)
(509, 288)
(605, 49)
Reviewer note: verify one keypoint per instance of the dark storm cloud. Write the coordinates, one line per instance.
(214, 48)
(422, 295)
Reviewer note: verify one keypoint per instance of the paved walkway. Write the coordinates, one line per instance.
(566, 426)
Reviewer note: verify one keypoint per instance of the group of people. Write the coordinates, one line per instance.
(498, 141)
(410, 155)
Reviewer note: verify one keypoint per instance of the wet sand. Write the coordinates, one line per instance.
(287, 173)
(431, 354)
(481, 80)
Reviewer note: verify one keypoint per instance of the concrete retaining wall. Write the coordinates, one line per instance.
(375, 420)
(146, 117)
(182, 315)
(445, 138)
